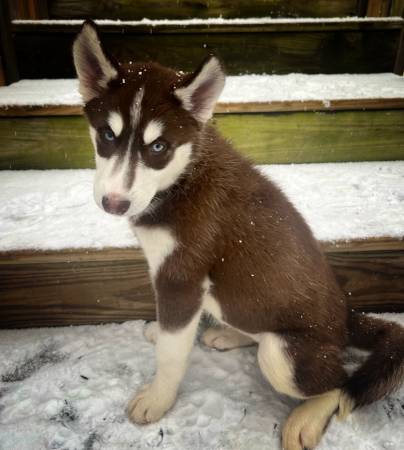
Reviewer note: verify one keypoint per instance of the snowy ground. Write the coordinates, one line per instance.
(238, 89)
(67, 388)
(54, 209)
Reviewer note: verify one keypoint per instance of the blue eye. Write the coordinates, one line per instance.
(109, 135)
(158, 147)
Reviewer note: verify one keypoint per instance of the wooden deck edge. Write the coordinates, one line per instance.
(131, 253)
(77, 287)
(375, 244)
(182, 27)
(228, 108)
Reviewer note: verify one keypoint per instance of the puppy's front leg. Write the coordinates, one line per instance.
(172, 351)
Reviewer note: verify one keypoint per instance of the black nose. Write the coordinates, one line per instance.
(114, 204)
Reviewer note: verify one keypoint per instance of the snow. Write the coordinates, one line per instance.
(238, 89)
(212, 21)
(302, 87)
(67, 388)
(41, 92)
(54, 209)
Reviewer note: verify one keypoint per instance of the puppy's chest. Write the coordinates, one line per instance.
(157, 244)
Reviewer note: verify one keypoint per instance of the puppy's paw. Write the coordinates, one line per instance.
(223, 338)
(306, 424)
(149, 405)
(150, 331)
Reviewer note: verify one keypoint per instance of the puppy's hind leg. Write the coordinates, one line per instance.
(298, 367)
(225, 338)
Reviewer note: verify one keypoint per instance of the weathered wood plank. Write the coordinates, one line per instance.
(74, 292)
(372, 281)
(378, 8)
(184, 9)
(44, 143)
(382, 244)
(300, 137)
(316, 137)
(80, 287)
(397, 8)
(252, 107)
(308, 48)
(28, 9)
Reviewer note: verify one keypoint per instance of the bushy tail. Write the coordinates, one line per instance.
(383, 371)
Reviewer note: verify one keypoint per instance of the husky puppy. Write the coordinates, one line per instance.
(221, 238)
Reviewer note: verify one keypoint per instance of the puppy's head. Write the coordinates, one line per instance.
(144, 121)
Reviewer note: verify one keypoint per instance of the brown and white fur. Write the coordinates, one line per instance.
(220, 238)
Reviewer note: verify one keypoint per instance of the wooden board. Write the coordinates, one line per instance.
(184, 9)
(378, 8)
(76, 288)
(45, 143)
(82, 287)
(354, 104)
(28, 9)
(397, 8)
(374, 245)
(44, 51)
(296, 137)
(316, 137)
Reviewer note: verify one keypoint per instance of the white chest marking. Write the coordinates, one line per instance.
(157, 244)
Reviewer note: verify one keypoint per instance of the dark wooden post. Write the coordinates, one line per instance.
(361, 8)
(2, 75)
(7, 53)
(399, 64)
(397, 9)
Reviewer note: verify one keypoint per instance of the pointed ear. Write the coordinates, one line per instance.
(93, 67)
(199, 93)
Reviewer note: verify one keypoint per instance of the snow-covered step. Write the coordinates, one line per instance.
(249, 93)
(323, 118)
(253, 45)
(55, 210)
(64, 261)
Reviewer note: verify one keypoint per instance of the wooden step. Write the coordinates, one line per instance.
(241, 94)
(63, 142)
(265, 45)
(76, 287)
(41, 126)
(42, 283)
